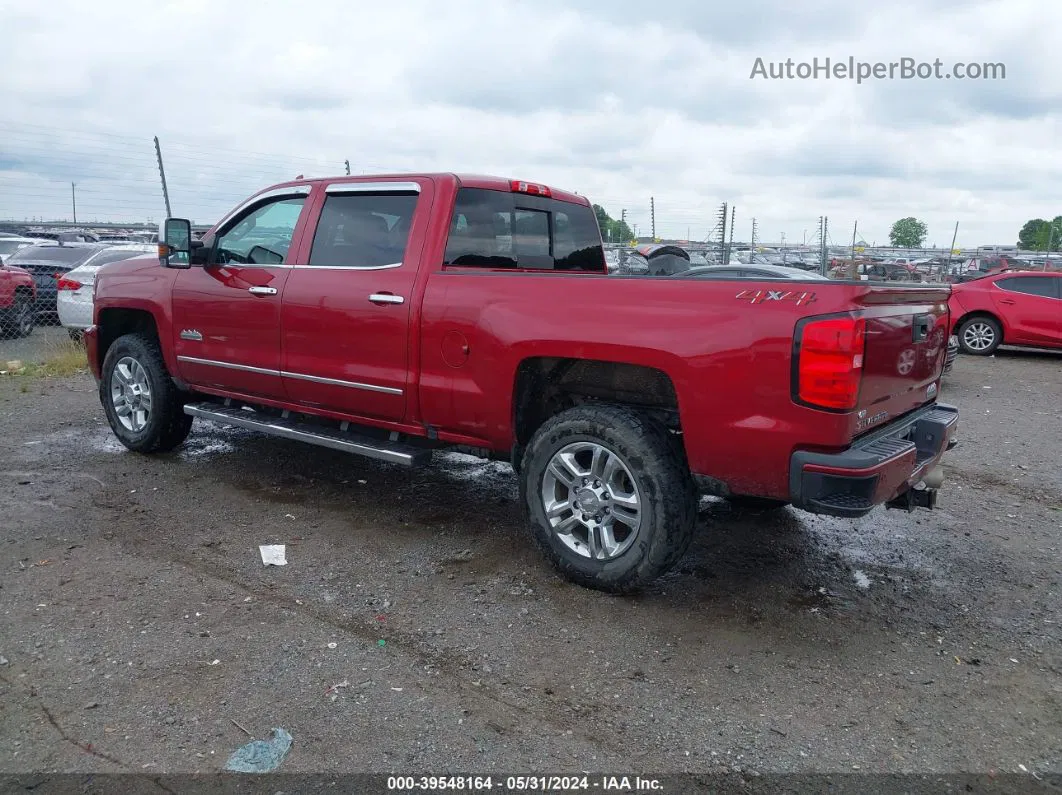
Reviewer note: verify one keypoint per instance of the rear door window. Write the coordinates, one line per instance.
(494, 229)
(1045, 286)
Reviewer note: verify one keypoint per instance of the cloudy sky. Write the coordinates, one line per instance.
(617, 100)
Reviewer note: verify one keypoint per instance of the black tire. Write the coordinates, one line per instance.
(755, 504)
(166, 425)
(658, 472)
(973, 328)
(19, 319)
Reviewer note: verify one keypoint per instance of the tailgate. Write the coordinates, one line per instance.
(906, 346)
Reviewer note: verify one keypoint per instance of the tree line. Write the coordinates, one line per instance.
(1037, 234)
(612, 230)
(1041, 235)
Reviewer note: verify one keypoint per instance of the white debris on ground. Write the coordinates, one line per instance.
(861, 579)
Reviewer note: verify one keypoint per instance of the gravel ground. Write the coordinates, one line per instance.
(415, 629)
(34, 348)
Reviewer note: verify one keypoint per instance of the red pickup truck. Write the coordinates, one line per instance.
(393, 315)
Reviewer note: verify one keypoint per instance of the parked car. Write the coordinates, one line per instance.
(977, 267)
(616, 399)
(12, 243)
(18, 295)
(889, 272)
(74, 299)
(747, 272)
(47, 262)
(1008, 308)
(663, 259)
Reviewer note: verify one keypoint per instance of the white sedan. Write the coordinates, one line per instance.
(74, 297)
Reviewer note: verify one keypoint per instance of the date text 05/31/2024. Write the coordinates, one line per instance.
(400, 784)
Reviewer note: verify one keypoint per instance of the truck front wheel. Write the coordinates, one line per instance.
(610, 500)
(142, 404)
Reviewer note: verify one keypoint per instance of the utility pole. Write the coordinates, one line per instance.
(855, 226)
(752, 242)
(730, 245)
(162, 176)
(951, 250)
(73, 199)
(720, 224)
(823, 227)
(784, 250)
(652, 216)
(347, 164)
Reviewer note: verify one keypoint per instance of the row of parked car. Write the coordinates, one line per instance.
(997, 301)
(47, 280)
(51, 280)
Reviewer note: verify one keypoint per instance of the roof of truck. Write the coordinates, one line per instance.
(485, 181)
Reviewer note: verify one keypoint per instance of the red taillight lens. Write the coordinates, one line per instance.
(67, 284)
(830, 362)
(518, 186)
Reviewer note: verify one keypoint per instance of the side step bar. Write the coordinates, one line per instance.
(337, 439)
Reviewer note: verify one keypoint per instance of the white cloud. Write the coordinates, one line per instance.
(617, 100)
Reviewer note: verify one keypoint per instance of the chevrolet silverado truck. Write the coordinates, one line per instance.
(395, 315)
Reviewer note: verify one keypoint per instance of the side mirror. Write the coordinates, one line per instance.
(175, 243)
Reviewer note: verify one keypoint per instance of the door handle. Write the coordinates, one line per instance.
(1006, 301)
(386, 298)
(262, 290)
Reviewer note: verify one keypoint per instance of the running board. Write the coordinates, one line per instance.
(336, 439)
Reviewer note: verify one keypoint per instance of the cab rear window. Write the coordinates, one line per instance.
(493, 229)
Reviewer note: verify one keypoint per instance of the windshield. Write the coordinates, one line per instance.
(49, 254)
(10, 247)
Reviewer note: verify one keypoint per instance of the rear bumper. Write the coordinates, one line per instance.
(91, 339)
(74, 311)
(877, 469)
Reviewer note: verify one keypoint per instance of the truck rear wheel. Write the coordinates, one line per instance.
(610, 499)
(142, 404)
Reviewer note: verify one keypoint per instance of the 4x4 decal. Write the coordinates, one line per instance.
(759, 296)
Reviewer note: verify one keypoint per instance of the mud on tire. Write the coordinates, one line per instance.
(649, 469)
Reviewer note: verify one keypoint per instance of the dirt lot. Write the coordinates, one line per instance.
(415, 629)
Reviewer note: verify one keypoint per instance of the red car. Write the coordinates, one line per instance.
(1012, 308)
(18, 294)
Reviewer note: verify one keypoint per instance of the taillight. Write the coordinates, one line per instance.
(830, 362)
(518, 186)
(66, 283)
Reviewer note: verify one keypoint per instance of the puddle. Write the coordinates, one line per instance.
(108, 444)
(204, 448)
(461, 466)
(882, 540)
